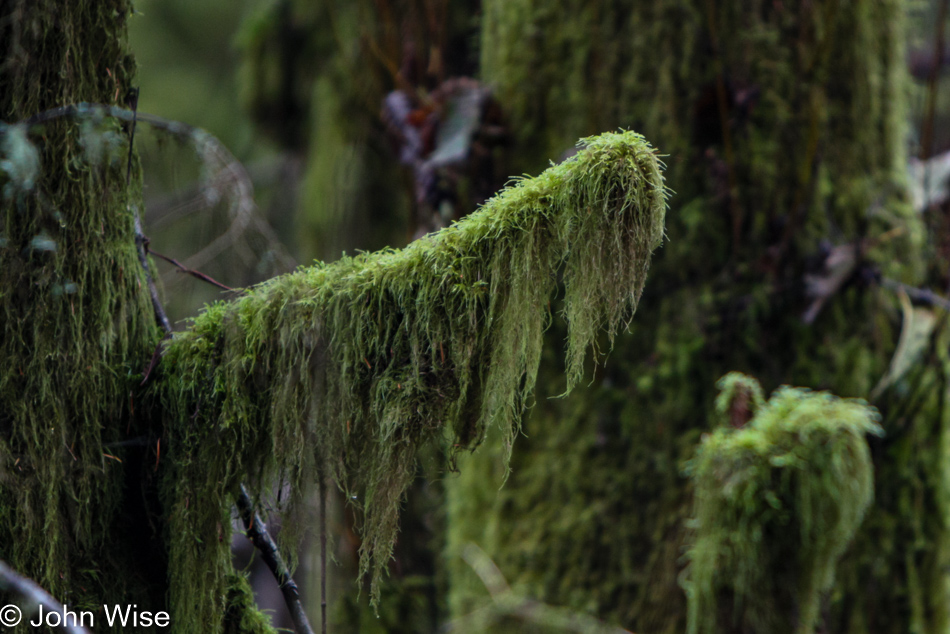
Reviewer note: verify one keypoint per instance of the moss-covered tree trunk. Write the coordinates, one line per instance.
(784, 128)
(76, 324)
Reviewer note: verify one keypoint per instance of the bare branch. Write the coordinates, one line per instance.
(922, 295)
(184, 269)
(140, 242)
(257, 533)
(10, 581)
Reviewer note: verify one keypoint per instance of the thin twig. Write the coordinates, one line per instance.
(156, 356)
(10, 581)
(184, 269)
(257, 533)
(922, 295)
(140, 240)
(323, 555)
(133, 100)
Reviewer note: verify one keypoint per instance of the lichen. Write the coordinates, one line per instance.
(776, 504)
(346, 370)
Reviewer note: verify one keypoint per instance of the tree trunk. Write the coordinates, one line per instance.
(784, 129)
(82, 506)
(76, 327)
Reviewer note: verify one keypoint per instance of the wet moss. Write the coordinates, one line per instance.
(346, 370)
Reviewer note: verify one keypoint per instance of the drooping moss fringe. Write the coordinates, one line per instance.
(776, 504)
(350, 367)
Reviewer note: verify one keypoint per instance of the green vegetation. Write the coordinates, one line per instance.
(776, 504)
(785, 127)
(346, 370)
(76, 325)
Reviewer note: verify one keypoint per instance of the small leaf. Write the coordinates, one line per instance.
(915, 334)
(463, 116)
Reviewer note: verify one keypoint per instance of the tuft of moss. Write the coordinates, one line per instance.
(776, 504)
(346, 370)
(241, 615)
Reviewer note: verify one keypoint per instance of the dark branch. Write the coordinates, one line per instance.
(257, 533)
(140, 242)
(184, 269)
(922, 295)
(133, 100)
(175, 128)
(323, 554)
(12, 582)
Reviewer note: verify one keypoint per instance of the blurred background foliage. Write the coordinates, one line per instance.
(188, 71)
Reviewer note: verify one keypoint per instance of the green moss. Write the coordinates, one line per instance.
(241, 615)
(348, 369)
(740, 397)
(777, 502)
(76, 325)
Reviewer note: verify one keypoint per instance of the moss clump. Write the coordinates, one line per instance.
(346, 370)
(777, 503)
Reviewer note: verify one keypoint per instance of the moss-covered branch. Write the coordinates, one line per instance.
(349, 368)
(777, 503)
